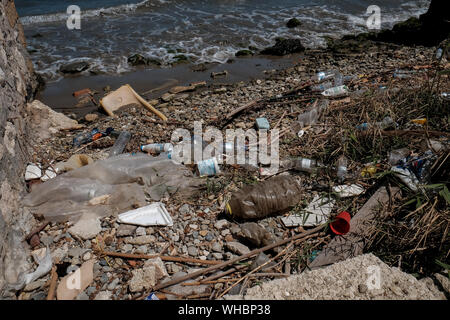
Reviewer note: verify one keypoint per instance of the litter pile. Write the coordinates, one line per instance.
(361, 145)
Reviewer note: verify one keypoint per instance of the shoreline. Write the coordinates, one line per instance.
(58, 95)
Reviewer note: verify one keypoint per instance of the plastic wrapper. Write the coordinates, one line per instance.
(125, 178)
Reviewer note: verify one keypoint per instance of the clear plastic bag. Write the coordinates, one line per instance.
(124, 178)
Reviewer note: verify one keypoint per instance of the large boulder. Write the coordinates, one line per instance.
(74, 67)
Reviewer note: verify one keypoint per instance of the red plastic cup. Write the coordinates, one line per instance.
(341, 224)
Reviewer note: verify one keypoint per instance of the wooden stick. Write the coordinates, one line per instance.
(222, 274)
(36, 230)
(164, 258)
(52, 289)
(414, 132)
(227, 263)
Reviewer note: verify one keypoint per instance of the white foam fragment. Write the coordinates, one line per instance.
(154, 214)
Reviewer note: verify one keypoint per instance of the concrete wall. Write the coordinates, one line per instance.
(17, 86)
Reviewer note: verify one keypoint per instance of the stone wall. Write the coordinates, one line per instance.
(17, 86)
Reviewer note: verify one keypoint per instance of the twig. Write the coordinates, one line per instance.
(52, 289)
(303, 236)
(164, 258)
(36, 230)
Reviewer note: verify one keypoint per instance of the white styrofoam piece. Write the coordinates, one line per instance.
(33, 171)
(316, 213)
(48, 174)
(345, 191)
(318, 210)
(154, 214)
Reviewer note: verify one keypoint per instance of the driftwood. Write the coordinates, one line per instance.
(253, 104)
(352, 244)
(163, 258)
(53, 282)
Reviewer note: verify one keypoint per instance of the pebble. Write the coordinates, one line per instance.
(217, 247)
(192, 251)
(184, 209)
(140, 231)
(141, 240)
(125, 230)
(86, 228)
(221, 224)
(209, 237)
(113, 284)
(141, 250)
(127, 248)
(237, 248)
(87, 256)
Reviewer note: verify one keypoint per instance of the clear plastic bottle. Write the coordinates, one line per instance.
(336, 91)
(120, 144)
(342, 168)
(322, 86)
(323, 75)
(157, 147)
(305, 164)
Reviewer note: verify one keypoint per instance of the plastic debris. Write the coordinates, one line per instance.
(154, 214)
(123, 96)
(336, 91)
(345, 191)
(208, 167)
(318, 211)
(33, 171)
(77, 281)
(341, 223)
(120, 144)
(151, 296)
(44, 266)
(265, 198)
(74, 162)
(262, 123)
(407, 177)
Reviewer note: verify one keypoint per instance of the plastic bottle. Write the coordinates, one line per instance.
(303, 164)
(342, 168)
(265, 198)
(338, 79)
(120, 144)
(311, 116)
(157, 147)
(336, 91)
(324, 75)
(322, 86)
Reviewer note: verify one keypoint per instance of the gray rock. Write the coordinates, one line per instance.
(237, 248)
(260, 260)
(217, 247)
(209, 237)
(125, 230)
(141, 250)
(47, 240)
(103, 295)
(127, 248)
(141, 240)
(86, 228)
(90, 290)
(39, 296)
(221, 224)
(75, 252)
(192, 251)
(217, 255)
(82, 296)
(140, 231)
(113, 284)
(74, 67)
(184, 209)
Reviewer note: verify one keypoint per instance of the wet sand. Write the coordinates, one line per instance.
(58, 95)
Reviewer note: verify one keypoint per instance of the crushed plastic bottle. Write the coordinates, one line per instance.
(310, 117)
(384, 124)
(396, 155)
(120, 144)
(265, 198)
(336, 91)
(439, 52)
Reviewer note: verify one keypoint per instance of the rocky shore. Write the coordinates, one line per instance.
(127, 262)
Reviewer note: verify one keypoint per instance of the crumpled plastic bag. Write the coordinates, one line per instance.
(44, 267)
(126, 178)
